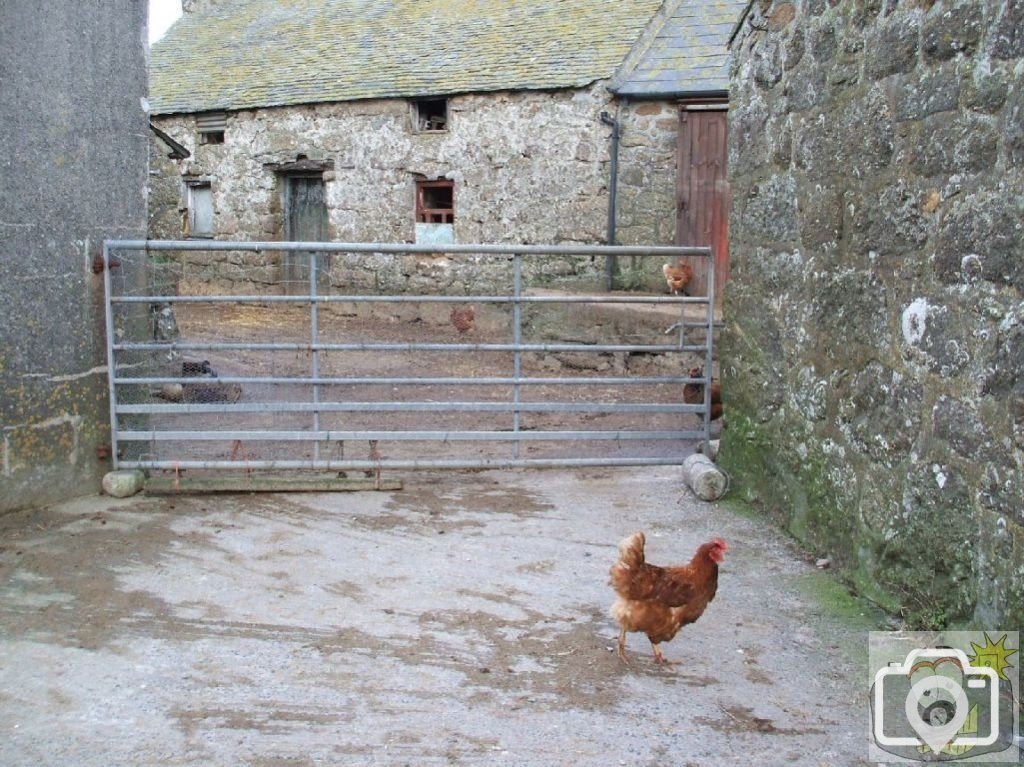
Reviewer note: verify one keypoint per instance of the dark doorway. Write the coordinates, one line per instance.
(306, 221)
(702, 191)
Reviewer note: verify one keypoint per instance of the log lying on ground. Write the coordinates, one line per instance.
(706, 480)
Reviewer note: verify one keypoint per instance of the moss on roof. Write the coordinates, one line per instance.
(242, 54)
(689, 54)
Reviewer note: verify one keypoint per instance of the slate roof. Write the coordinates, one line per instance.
(242, 54)
(687, 55)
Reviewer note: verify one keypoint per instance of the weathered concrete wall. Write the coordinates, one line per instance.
(874, 354)
(73, 167)
(528, 167)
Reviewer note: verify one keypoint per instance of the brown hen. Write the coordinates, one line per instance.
(462, 317)
(677, 277)
(693, 393)
(658, 601)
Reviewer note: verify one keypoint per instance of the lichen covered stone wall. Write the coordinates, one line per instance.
(873, 358)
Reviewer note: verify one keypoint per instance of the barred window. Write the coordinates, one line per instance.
(435, 202)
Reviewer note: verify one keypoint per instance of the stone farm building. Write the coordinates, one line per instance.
(432, 121)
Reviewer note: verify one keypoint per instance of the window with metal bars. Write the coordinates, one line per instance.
(435, 202)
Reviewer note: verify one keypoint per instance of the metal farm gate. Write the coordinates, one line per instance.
(216, 364)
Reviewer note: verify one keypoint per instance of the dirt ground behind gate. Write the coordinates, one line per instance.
(462, 620)
(424, 323)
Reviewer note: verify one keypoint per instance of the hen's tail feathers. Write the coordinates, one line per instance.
(631, 557)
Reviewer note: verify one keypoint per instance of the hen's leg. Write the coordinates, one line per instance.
(622, 646)
(659, 656)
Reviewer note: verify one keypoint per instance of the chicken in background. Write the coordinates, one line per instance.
(206, 389)
(677, 277)
(658, 601)
(202, 369)
(693, 393)
(463, 317)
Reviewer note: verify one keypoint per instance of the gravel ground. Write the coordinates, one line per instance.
(460, 620)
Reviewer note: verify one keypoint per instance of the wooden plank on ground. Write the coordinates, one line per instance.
(265, 484)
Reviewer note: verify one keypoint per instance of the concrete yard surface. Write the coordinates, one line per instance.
(461, 620)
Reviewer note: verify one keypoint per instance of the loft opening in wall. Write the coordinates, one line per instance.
(430, 115)
(211, 127)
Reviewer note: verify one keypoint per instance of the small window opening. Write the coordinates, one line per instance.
(430, 115)
(435, 202)
(211, 127)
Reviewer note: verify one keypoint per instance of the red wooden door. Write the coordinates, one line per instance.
(702, 193)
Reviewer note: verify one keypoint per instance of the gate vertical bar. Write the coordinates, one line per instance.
(517, 339)
(709, 352)
(314, 332)
(108, 311)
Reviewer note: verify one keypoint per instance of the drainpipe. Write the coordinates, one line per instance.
(613, 188)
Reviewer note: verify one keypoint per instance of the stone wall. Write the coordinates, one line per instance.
(528, 167)
(165, 202)
(647, 185)
(873, 361)
(73, 169)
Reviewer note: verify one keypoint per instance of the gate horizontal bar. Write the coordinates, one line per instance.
(406, 347)
(362, 299)
(327, 435)
(450, 381)
(409, 407)
(655, 251)
(411, 464)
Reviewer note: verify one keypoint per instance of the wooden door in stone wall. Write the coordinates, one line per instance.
(306, 217)
(702, 191)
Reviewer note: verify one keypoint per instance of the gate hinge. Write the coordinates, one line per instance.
(97, 263)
